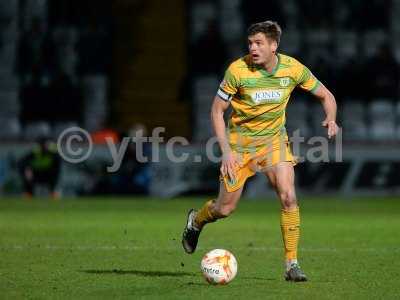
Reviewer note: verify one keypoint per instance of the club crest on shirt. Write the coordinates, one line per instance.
(284, 81)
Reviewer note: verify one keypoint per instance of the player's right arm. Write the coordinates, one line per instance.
(228, 164)
(228, 88)
(226, 91)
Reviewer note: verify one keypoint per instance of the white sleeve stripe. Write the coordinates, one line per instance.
(224, 95)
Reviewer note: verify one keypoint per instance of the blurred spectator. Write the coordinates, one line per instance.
(40, 167)
(135, 169)
(133, 176)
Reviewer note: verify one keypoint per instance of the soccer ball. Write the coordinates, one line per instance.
(219, 266)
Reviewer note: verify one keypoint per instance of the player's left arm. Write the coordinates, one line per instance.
(308, 82)
(329, 104)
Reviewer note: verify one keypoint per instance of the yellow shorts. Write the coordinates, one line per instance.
(258, 161)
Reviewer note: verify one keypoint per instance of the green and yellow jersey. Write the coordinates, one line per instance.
(259, 99)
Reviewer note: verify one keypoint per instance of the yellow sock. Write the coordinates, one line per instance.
(290, 226)
(205, 215)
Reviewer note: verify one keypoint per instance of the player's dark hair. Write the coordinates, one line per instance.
(270, 29)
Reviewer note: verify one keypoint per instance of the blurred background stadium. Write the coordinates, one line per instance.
(115, 67)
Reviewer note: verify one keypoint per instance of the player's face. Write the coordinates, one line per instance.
(261, 48)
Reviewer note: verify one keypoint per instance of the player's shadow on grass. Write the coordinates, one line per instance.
(259, 278)
(140, 273)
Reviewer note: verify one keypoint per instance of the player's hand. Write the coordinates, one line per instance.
(229, 164)
(333, 128)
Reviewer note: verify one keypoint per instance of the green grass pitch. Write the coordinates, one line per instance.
(130, 249)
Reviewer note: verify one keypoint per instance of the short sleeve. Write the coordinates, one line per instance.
(306, 80)
(229, 85)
